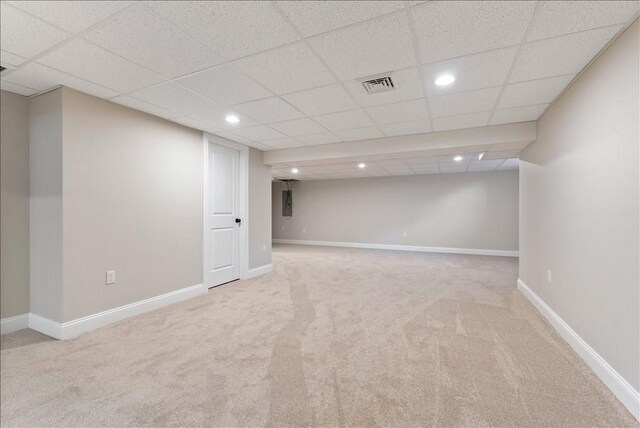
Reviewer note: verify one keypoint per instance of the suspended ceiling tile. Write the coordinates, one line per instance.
(399, 112)
(72, 16)
(256, 26)
(368, 48)
(315, 17)
(406, 128)
(269, 110)
(225, 84)
(148, 40)
(344, 120)
(556, 18)
(471, 72)
(517, 114)
(540, 91)
(294, 128)
(24, 35)
(326, 99)
(456, 28)
(463, 102)
(560, 55)
(287, 69)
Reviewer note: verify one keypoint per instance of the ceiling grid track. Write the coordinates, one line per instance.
(536, 12)
(340, 82)
(420, 65)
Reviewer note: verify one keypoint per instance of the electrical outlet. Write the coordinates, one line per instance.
(404, 234)
(264, 247)
(111, 277)
(304, 230)
(549, 276)
(283, 227)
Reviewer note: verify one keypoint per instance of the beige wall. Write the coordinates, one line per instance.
(132, 203)
(579, 194)
(14, 205)
(45, 205)
(473, 210)
(259, 210)
(116, 189)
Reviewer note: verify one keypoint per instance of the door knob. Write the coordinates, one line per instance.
(238, 220)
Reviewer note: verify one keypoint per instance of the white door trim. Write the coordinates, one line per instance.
(244, 197)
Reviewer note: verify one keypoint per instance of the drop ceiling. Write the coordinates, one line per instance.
(292, 71)
(414, 165)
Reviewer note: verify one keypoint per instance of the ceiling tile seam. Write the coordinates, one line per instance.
(497, 86)
(176, 81)
(514, 61)
(353, 24)
(304, 135)
(335, 76)
(233, 107)
(454, 58)
(336, 136)
(237, 69)
(227, 60)
(577, 76)
(25, 87)
(160, 17)
(72, 36)
(416, 53)
(93, 26)
(57, 85)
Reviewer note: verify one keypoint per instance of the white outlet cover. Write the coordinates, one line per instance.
(111, 277)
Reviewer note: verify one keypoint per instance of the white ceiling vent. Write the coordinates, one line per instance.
(381, 84)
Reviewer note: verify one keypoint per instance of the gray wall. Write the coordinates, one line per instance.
(472, 210)
(113, 188)
(259, 210)
(45, 205)
(132, 203)
(14, 205)
(579, 197)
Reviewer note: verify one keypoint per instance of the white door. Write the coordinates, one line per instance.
(222, 222)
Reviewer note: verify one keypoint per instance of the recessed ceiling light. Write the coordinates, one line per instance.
(480, 156)
(361, 165)
(457, 158)
(444, 80)
(232, 118)
(294, 170)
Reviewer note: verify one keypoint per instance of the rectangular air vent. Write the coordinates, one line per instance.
(381, 84)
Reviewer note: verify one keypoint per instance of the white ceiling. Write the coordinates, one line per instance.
(292, 71)
(415, 165)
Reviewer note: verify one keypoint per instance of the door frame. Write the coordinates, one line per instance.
(244, 198)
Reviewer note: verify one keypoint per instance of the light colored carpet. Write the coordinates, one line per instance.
(333, 337)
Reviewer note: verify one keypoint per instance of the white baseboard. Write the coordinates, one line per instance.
(480, 252)
(70, 329)
(261, 270)
(13, 324)
(45, 326)
(627, 395)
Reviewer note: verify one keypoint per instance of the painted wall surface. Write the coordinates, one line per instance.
(259, 210)
(45, 205)
(472, 210)
(14, 205)
(579, 207)
(132, 203)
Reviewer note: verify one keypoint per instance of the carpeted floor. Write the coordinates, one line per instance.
(333, 337)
